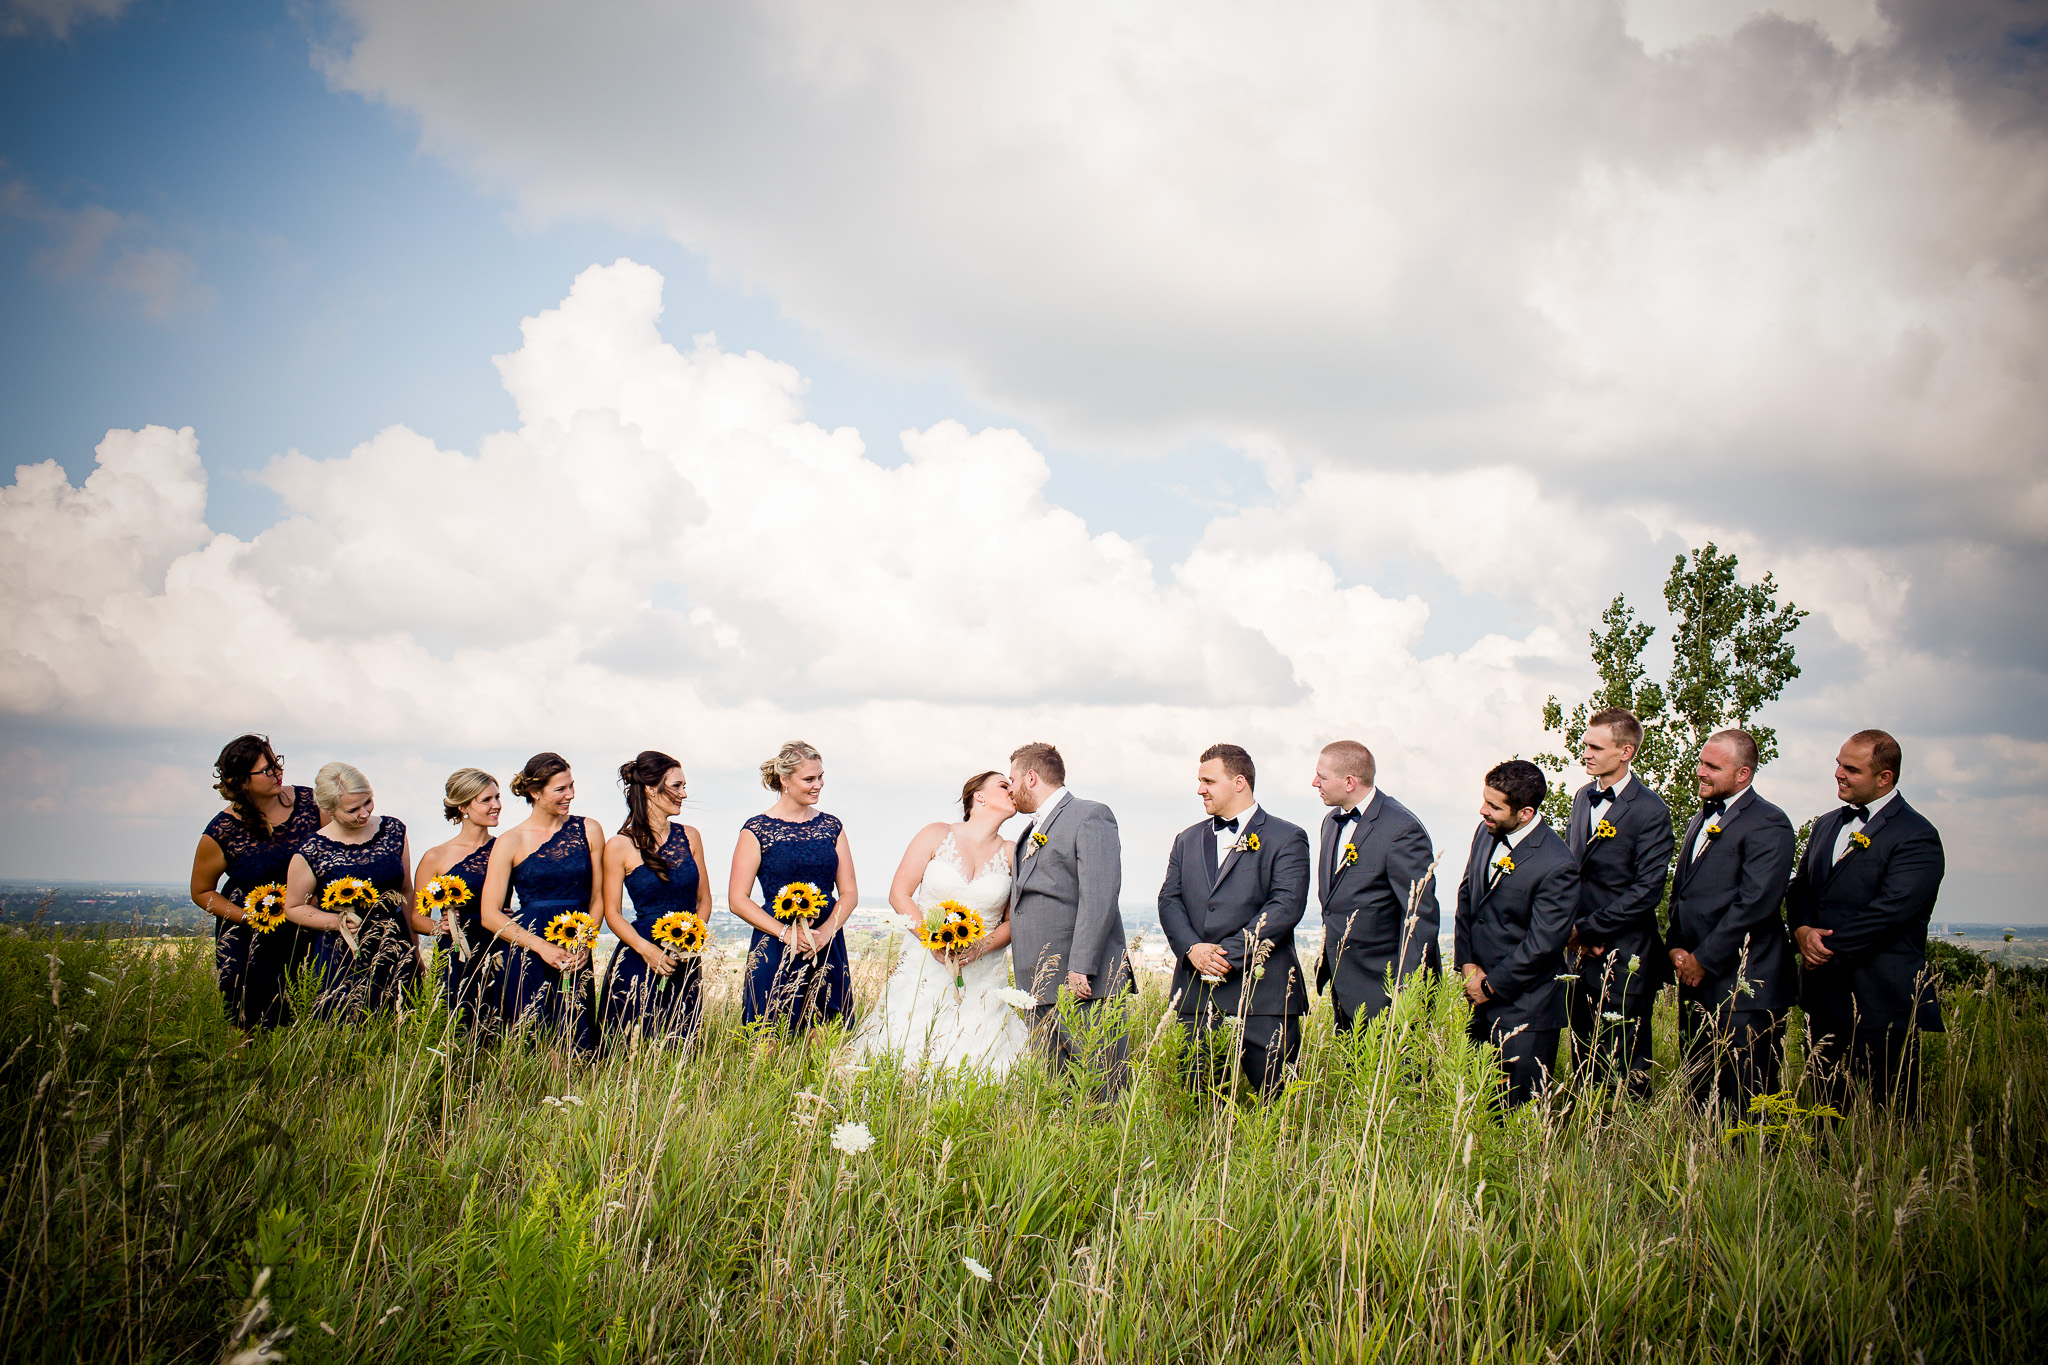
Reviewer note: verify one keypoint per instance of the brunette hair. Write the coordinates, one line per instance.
(1521, 782)
(787, 760)
(1236, 763)
(1744, 744)
(336, 780)
(1622, 724)
(973, 785)
(532, 779)
(464, 786)
(636, 777)
(1884, 751)
(1043, 759)
(231, 778)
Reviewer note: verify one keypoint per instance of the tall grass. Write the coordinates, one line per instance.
(391, 1192)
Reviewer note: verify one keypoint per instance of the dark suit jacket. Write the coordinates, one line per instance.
(1262, 892)
(1725, 903)
(1516, 929)
(1621, 879)
(1365, 905)
(1878, 901)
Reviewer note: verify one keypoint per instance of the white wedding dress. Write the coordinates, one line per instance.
(922, 1019)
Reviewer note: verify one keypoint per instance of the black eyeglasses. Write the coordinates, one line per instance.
(276, 766)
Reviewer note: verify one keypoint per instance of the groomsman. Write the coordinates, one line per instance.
(1373, 851)
(1236, 885)
(1727, 943)
(1859, 907)
(1620, 834)
(1515, 910)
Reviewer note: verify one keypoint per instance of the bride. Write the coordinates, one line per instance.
(922, 1017)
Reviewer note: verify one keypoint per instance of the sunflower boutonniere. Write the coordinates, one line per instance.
(1604, 830)
(1350, 854)
(1248, 844)
(1037, 842)
(1713, 830)
(1860, 839)
(1506, 864)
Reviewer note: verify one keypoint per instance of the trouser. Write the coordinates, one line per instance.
(1603, 1048)
(1526, 1054)
(1730, 1056)
(1373, 999)
(1217, 1052)
(1883, 1059)
(1097, 1038)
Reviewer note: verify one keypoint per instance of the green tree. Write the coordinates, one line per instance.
(1731, 653)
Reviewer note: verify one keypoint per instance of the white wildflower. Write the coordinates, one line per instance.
(438, 1053)
(91, 992)
(852, 1138)
(1567, 976)
(1612, 1016)
(104, 982)
(550, 1101)
(1016, 999)
(614, 1207)
(976, 1268)
(571, 1099)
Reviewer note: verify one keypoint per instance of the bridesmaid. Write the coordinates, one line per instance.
(357, 842)
(659, 863)
(471, 802)
(251, 844)
(798, 972)
(546, 860)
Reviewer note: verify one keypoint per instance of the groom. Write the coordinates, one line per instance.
(1064, 926)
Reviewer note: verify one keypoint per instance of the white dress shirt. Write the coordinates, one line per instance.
(1699, 843)
(1225, 840)
(1514, 842)
(1852, 825)
(1350, 836)
(1620, 786)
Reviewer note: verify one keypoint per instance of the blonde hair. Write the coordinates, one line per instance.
(464, 786)
(335, 781)
(787, 760)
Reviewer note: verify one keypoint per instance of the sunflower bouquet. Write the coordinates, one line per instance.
(263, 911)
(682, 933)
(350, 898)
(572, 929)
(948, 928)
(439, 899)
(798, 901)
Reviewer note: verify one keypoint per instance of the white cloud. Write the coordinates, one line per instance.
(112, 251)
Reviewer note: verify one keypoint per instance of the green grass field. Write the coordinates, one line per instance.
(399, 1195)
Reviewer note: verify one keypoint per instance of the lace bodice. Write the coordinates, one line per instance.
(380, 861)
(806, 852)
(254, 861)
(653, 897)
(558, 872)
(987, 891)
(473, 869)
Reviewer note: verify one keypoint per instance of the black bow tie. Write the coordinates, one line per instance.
(1861, 813)
(1344, 817)
(1600, 794)
(1714, 807)
(1499, 840)
(1223, 824)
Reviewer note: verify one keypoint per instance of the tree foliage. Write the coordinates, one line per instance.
(1731, 653)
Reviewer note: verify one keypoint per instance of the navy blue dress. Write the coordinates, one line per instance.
(555, 877)
(252, 968)
(462, 983)
(634, 996)
(377, 975)
(784, 986)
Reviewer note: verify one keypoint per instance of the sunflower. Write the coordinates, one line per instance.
(799, 900)
(572, 929)
(442, 893)
(347, 893)
(682, 932)
(949, 924)
(264, 909)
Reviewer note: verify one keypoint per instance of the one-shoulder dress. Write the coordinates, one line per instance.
(634, 995)
(782, 985)
(463, 982)
(386, 962)
(554, 878)
(252, 968)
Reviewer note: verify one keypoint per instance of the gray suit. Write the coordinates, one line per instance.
(1064, 918)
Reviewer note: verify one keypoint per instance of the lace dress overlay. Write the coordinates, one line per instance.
(385, 962)
(252, 968)
(554, 878)
(782, 985)
(634, 995)
(462, 983)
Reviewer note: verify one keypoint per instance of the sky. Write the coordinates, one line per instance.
(429, 384)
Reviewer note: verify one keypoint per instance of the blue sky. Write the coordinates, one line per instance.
(1373, 350)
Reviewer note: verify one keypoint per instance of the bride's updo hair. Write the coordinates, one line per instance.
(973, 788)
(335, 781)
(533, 778)
(464, 786)
(787, 760)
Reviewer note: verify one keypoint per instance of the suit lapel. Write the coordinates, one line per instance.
(1327, 865)
(1024, 872)
(1579, 829)
(1724, 820)
(1820, 847)
(1233, 858)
